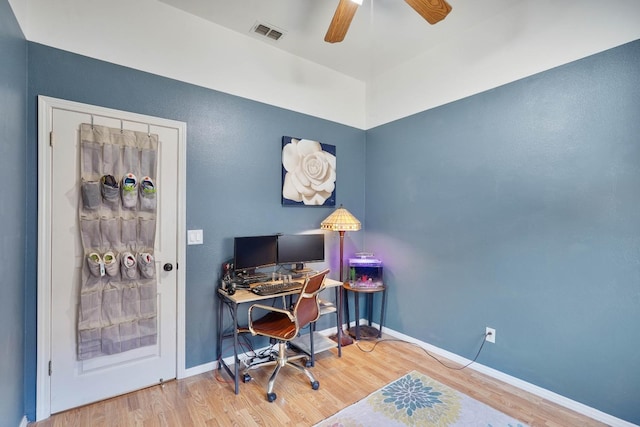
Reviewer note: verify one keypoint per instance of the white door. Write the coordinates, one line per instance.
(72, 382)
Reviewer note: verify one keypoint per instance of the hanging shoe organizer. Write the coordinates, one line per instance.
(117, 213)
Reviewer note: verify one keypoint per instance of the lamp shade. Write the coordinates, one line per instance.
(341, 220)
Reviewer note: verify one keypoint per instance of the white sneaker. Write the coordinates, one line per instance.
(110, 263)
(128, 268)
(129, 188)
(147, 265)
(96, 266)
(147, 194)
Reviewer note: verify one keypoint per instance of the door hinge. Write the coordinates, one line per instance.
(51, 139)
(50, 368)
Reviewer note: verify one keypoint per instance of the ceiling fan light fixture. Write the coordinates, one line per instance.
(433, 11)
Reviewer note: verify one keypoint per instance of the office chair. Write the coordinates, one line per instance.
(283, 325)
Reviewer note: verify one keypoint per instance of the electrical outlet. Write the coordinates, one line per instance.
(490, 335)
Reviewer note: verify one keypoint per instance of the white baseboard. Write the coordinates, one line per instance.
(516, 382)
(200, 369)
(508, 379)
(23, 422)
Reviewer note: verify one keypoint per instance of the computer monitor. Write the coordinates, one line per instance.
(300, 248)
(253, 252)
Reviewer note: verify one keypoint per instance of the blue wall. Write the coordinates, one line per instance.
(518, 209)
(233, 173)
(13, 113)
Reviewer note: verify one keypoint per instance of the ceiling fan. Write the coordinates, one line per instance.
(432, 10)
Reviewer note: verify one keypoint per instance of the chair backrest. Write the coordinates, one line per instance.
(307, 307)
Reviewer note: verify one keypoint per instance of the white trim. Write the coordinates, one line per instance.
(45, 106)
(201, 369)
(516, 382)
(181, 246)
(23, 422)
(43, 380)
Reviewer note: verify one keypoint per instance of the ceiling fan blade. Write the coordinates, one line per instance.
(341, 20)
(432, 10)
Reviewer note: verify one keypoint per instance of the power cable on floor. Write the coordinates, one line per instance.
(455, 368)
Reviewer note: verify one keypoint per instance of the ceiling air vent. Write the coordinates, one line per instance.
(268, 31)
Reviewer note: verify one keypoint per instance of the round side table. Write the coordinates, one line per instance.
(366, 331)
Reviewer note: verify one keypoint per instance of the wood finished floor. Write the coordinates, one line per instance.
(208, 399)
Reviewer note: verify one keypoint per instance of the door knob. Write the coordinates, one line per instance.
(168, 267)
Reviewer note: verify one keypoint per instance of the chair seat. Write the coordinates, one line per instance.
(283, 325)
(276, 325)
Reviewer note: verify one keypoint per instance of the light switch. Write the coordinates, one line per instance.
(195, 237)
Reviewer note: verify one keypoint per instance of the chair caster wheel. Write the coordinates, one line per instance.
(315, 385)
(246, 378)
(308, 364)
(271, 397)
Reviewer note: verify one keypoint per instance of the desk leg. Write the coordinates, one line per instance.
(236, 374)
(221, 305)
(233, 308)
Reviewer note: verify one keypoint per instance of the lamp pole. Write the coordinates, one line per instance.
(341, 253)
(343, 338)
(341, 220)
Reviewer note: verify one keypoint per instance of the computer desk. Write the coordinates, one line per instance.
(245, 296)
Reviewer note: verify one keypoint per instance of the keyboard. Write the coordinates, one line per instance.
(272, 288)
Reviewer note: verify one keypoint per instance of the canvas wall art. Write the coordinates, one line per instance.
(308, 172)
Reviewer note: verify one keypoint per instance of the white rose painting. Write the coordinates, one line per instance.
(308, 172)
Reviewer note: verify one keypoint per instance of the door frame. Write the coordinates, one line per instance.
(45, 107)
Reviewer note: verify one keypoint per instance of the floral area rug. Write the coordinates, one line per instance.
(417, 400)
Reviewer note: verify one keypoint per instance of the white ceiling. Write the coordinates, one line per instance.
(384, 33)
(402, 64)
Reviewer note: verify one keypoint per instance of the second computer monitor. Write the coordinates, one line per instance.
(300, 249)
